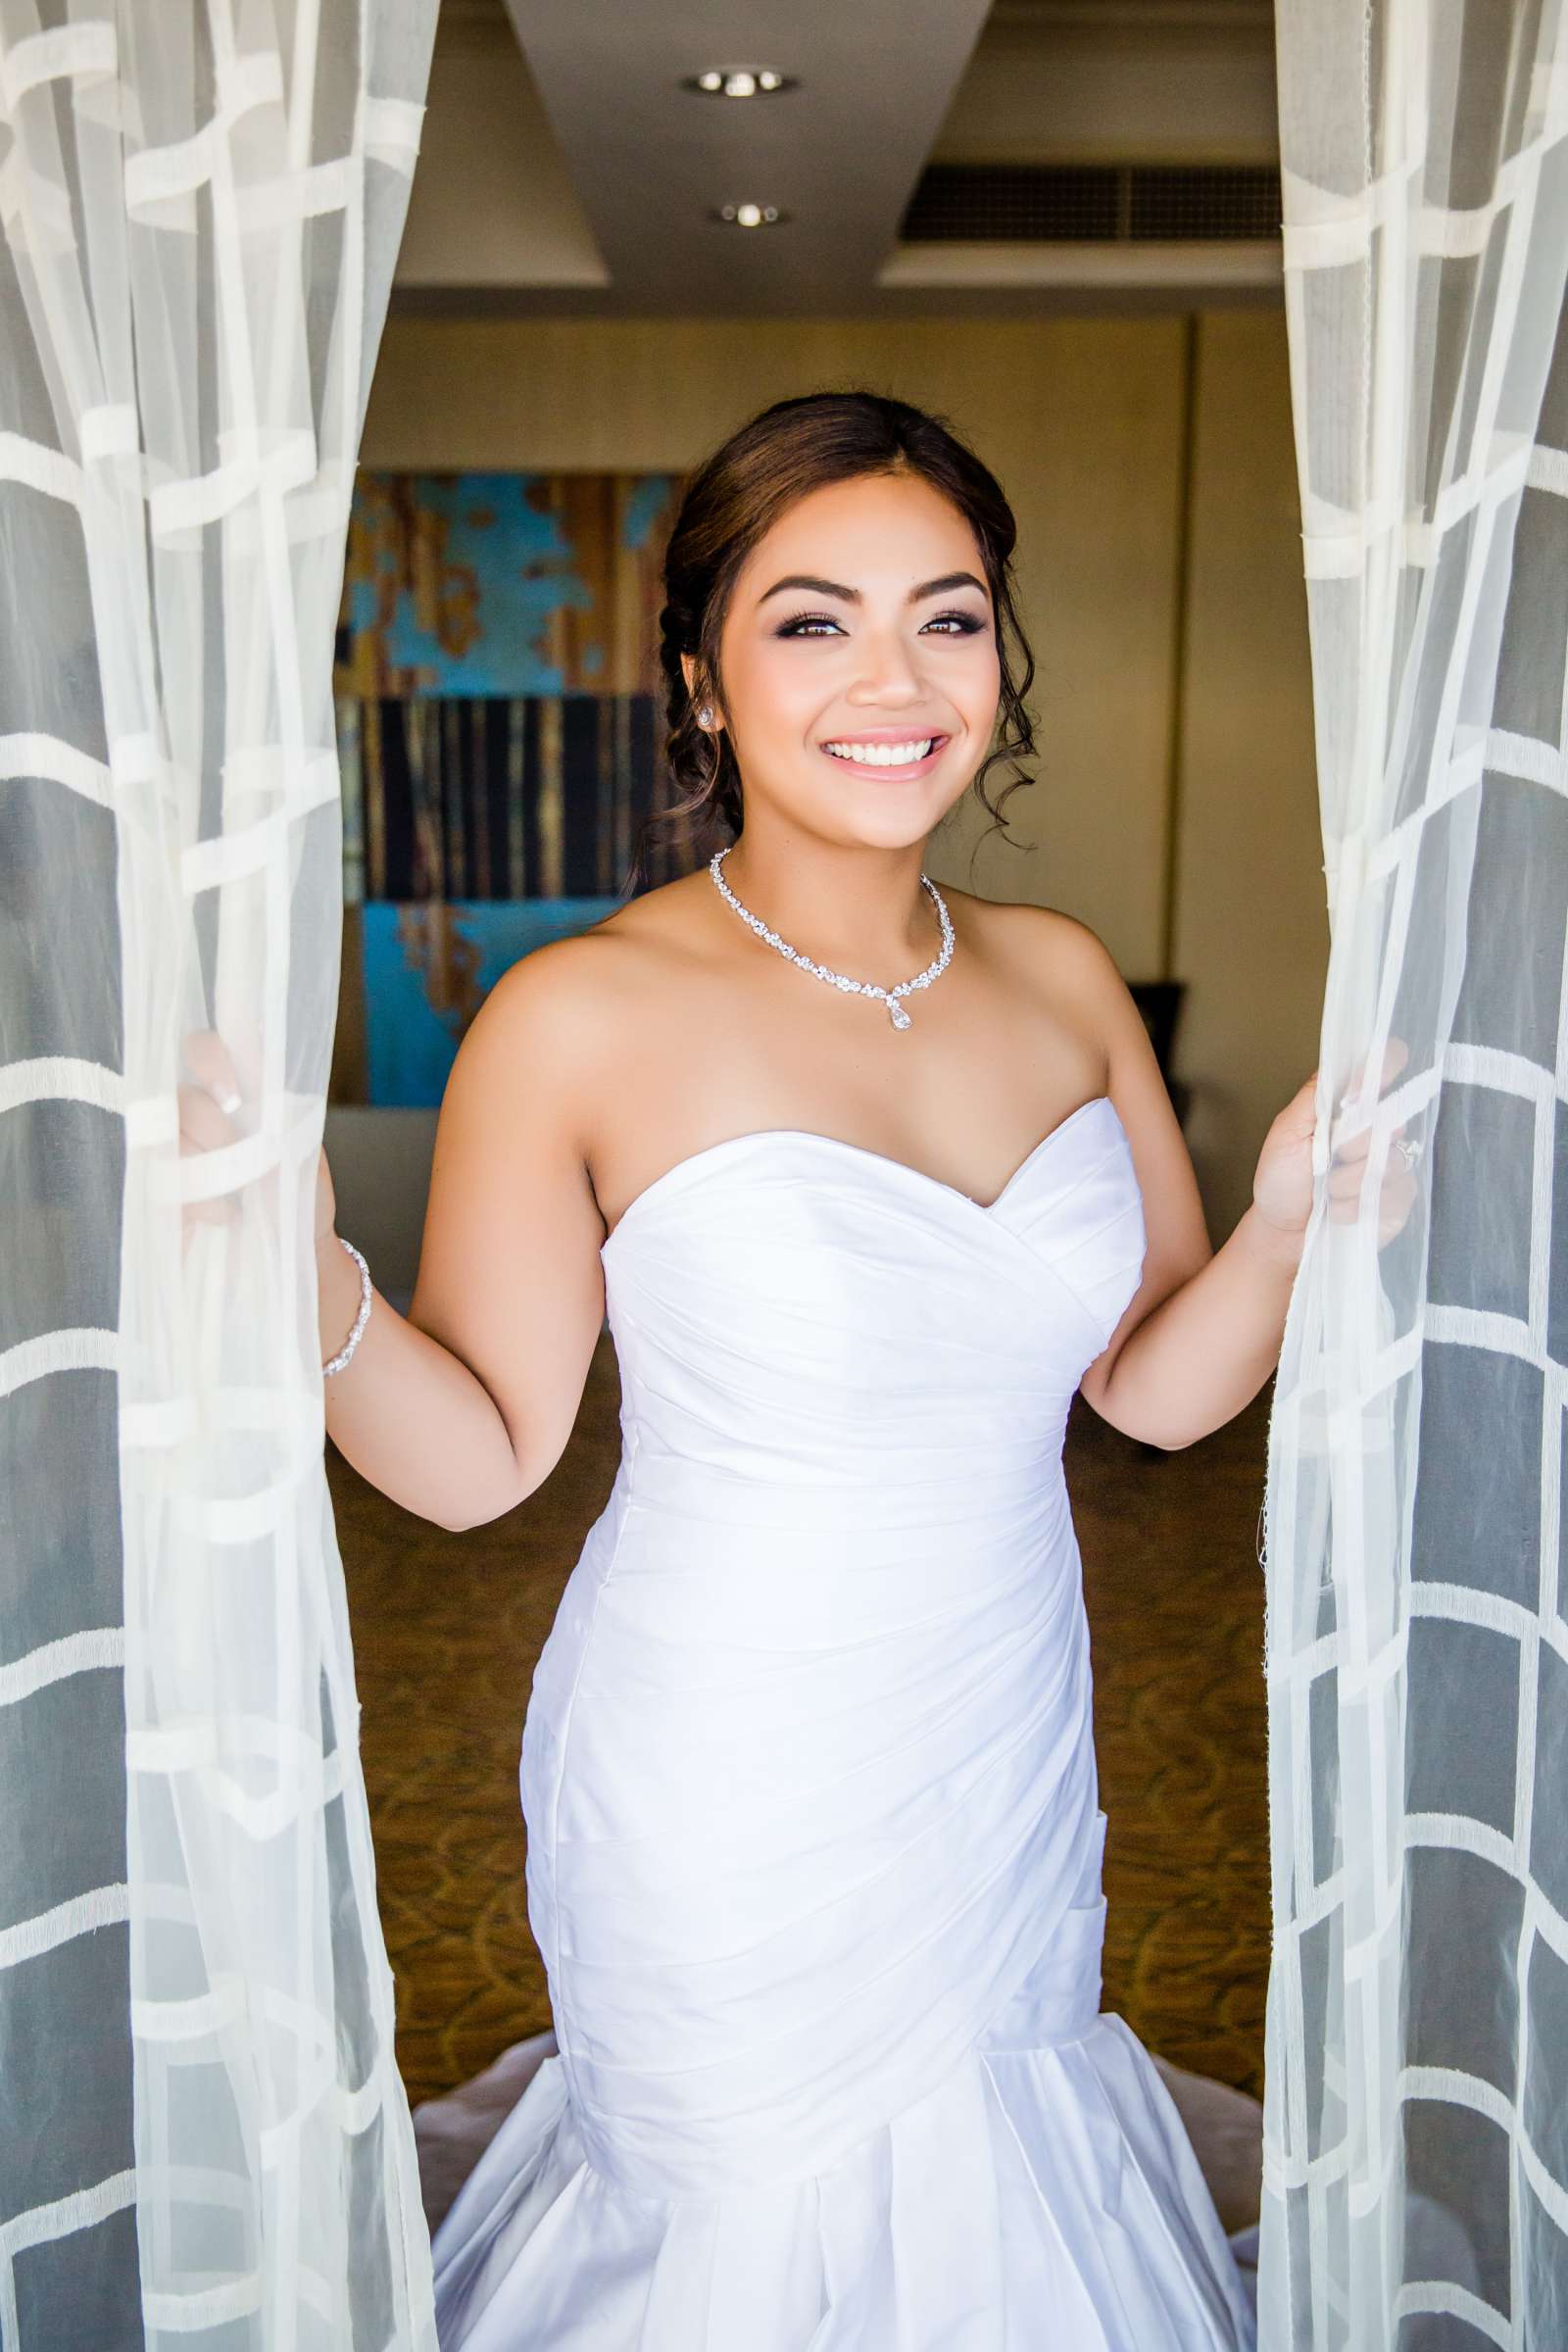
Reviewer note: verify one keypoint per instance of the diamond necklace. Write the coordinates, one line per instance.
(852, 987)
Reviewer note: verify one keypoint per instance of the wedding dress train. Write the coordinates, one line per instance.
(813, 1852)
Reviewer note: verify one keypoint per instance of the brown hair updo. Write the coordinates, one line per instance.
(736, 496)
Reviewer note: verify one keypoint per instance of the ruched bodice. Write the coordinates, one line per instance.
(765, 1289)
(813, 1837)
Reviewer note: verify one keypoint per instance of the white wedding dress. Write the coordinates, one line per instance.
(814, 1852)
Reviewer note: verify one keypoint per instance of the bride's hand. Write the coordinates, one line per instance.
(208, 1106)
(1282, 1186)
(325, 1204)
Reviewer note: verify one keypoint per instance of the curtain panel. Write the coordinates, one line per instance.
(203, 2137)
(1416, 2164)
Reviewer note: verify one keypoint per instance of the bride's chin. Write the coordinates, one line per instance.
(901, 835)
(903, 831)
(905, 815)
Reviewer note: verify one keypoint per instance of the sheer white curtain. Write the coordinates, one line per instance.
(1417, 2187)
(203, 2139)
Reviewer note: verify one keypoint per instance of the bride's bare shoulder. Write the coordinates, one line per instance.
(583, 992)
(1044, 944)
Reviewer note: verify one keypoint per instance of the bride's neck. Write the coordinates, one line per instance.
(854, 908)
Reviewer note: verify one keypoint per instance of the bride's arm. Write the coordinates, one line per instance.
(1201, 1352)
(1203, 1332)
(463, 1407)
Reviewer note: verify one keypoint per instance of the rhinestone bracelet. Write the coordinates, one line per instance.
(360, 1319)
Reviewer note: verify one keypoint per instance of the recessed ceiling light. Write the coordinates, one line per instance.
(749, 216)
(738, 82)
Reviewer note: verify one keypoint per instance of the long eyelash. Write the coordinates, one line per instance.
(803, 623)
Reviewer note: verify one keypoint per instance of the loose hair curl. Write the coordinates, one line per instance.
(736, 496)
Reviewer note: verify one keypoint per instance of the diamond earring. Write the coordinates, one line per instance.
(705, 716)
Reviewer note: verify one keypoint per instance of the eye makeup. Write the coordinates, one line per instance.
(802, 625)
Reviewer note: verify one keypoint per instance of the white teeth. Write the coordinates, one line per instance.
(882, 754)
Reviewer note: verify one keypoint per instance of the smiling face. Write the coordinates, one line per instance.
(860, 662)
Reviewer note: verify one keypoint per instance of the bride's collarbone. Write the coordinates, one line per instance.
(989, 1156)
(936, 1098)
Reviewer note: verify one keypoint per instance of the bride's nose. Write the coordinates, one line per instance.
(889, 670)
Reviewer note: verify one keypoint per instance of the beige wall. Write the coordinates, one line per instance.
(1173, 799)
(1250, 919)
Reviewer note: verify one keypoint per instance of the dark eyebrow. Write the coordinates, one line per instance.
(851, 596)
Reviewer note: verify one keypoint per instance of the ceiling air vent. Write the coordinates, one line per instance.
(1053, 204)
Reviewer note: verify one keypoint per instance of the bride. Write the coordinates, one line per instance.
(871, 1178)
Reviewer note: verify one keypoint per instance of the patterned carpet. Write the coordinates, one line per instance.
(447, 1629)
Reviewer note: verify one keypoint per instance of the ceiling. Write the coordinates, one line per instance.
(565, 170)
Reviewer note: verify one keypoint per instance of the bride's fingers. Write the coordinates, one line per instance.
(1295, 1121)
(1346, 1194)
(212, 1066)
(203, 1126)
(1395, 1054)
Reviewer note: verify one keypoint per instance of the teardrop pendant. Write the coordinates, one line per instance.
(900, 1018)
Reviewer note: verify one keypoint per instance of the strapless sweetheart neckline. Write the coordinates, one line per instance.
(693, 1160)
